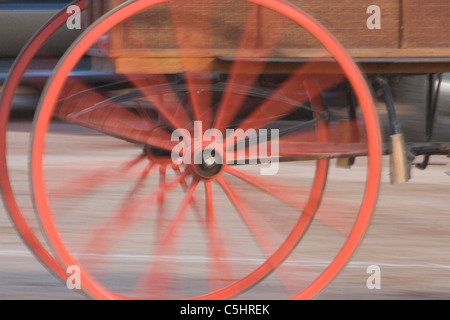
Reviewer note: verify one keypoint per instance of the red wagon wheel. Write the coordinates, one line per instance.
(195, 226)
(8, 92)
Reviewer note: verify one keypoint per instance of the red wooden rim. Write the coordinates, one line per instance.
(7, 95)
(374, 144)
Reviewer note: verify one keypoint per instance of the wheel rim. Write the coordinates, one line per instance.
(7, 95)
(51, 96)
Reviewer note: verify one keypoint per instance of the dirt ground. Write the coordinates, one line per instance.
(408, 240)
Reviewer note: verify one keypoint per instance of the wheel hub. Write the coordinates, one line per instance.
(208, 163)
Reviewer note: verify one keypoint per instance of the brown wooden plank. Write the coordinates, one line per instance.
(426, 24)
(345, 19)
(160, 65)
(374, 55)
(174, 65)
(223, 21)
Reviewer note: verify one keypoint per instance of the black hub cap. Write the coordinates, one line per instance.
(208, 164)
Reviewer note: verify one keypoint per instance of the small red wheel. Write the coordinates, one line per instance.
(208, 229)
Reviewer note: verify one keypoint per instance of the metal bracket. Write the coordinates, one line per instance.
(434, 85)
(400, 157)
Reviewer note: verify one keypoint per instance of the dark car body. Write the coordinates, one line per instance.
(20, 19)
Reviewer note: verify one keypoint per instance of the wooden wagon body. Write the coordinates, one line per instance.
(386, 39)
(412, 36)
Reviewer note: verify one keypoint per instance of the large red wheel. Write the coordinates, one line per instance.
(10, 85)
(96, 198)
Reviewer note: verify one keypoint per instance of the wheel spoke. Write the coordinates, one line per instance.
(108, 234)
(260, 237)
(113, 119)
(88, 183)
(184, 22)
(151, 86)
(292, 147)
(184, 186)
(271, 109)
(168, 105)
(161, 198)
(176, 116)
(153, 278)
(267, 239)
(243, 72)
(276, 193)
(218, 265)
